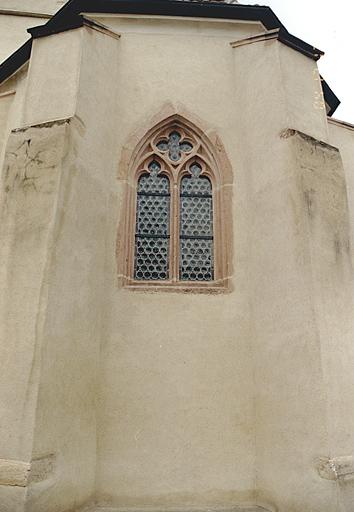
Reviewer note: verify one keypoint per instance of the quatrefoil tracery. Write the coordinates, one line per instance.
(174, 145)
(176, 150)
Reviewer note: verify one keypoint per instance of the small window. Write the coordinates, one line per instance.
(176, 204)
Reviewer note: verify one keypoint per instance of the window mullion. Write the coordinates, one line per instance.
(174, 247)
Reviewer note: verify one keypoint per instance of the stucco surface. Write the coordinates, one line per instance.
(343, 137)
(53, 76)
(137, 400)
(290, 402)
(74, 325)
(32, 6)
(29, 184)
(14, 33)
(185, 359)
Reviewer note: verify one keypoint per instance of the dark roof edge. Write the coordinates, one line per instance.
(330, 98)
(44, 30)
(15, 61)
(68, 18)
(299, 45)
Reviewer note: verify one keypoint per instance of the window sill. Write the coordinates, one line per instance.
(210, 288)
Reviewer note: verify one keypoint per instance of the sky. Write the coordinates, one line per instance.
(327, 25)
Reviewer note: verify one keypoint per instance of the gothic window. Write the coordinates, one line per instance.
(176, 228)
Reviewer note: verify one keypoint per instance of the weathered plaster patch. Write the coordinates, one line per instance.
(48, 124)
(21, 474)
(14, 472)
(336, 468)
(309, 201)
(321, 181)
(289, 132)
(42, 468)
(32, 155)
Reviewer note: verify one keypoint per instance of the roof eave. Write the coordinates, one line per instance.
(69, 17)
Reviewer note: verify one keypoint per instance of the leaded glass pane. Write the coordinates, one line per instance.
(196, 216)
(186, 147)
(196, 260)
(152, 226)
(196, 228)
(163, 145)
(200, 186)
(152, 215)
(151, 259)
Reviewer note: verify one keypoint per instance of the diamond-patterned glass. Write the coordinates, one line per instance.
(152, 226)
(196, 228)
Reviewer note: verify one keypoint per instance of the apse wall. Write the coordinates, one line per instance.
(176, 412)
(137, 398)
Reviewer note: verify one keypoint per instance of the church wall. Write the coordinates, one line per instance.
(171, 399)
(47, 7)
(11, 106)
(66, 410)
(28, 199)
(6, 101)
(342, 137)
(13, 30)
(291, 347)
(52, 83)
(195, 29)
(302, 87)
(176, 402)
(54, 455)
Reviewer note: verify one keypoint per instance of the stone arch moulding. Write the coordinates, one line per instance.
(203, 149)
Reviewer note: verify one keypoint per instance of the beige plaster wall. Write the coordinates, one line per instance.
(66, 411)
(166, 399)
(293, 330)
(301, 84)
(32, 6)
(200, 29)
(28, 200)
(342, 136)
(59, 422)
(53, 77)
(6, 100)
(175, 410)
(11, 107)
(13, 30)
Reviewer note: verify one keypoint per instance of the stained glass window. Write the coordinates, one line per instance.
(177, 227)
(196, 227)
(152, 226)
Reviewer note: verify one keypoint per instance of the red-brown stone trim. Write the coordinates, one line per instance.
(210, 152)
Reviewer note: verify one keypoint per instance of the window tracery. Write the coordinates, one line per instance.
(175, 211)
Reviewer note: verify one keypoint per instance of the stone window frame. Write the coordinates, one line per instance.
(216, 167)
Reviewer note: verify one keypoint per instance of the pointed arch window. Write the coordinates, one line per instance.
(175, 211)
